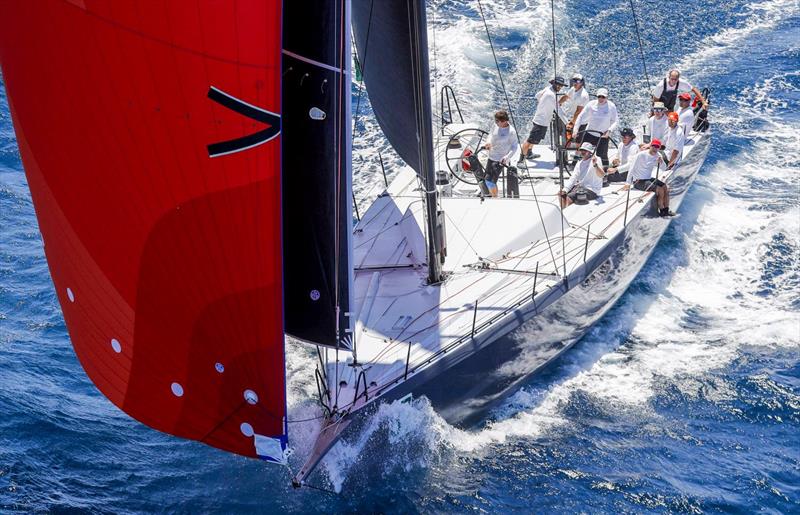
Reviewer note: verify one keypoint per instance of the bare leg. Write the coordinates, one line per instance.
(526, 146)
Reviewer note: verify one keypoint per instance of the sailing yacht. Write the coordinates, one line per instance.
(191, 172)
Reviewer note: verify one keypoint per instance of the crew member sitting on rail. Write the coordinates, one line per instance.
(667, 90)
(625, 154)
(547, 105)
(574, 100)
(586, 179)
(675, 140)
(640, 176)
(601, 118)
(685, 113)
(502, 146)
(657, 124)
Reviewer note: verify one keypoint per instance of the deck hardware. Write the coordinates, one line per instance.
(627, 199)
(586, 246)
(408, 357)
(361, 375)
(355, 206)
(383, 169)
(474, 317)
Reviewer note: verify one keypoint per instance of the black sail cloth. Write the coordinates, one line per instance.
(316, 172)
(391, 40)
(383, 39)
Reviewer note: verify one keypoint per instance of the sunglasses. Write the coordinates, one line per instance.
(601, 96)
(575, 81)
(659, 110)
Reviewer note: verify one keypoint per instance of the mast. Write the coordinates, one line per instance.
(392, 42)
(420, 73)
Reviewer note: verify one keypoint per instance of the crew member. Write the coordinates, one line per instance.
(587, 176)
(574, 100)
(667, 90)
(546, 107)
(675, 140)
(640, 176)
(625, 154)
(657, 123)
(503, 145)
(600, 117)
(685, 113)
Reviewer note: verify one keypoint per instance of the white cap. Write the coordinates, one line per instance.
(602, 92)
(587, 146)
(577, 76)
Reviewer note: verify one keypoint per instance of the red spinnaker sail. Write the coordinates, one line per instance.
(149, 131)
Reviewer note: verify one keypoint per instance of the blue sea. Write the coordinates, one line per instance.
(684, 398)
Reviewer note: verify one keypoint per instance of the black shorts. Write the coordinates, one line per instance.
(572, 193)
(493, 170)
(648, 184)
(537, 134)
(617, 177)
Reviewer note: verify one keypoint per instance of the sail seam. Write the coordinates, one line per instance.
(315, 63)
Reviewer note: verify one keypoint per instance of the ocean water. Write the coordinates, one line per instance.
(685, 397)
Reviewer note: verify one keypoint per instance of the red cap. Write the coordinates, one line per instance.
(673, 116)
(685, 96)
(655, 143)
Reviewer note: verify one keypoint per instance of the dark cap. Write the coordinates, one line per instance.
(627, 131)
(558, 81)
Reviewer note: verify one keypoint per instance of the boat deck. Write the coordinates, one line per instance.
(502, 253)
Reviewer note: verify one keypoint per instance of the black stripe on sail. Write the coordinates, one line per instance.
(250, 111)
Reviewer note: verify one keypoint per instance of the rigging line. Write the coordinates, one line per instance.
(514, 122)
(362, 62)
(641, 48)
(555, 124)
(357, 132)
(394, 343)
(305, 419)
(467, 240)
(341, 111)
(307, 485)
(438, 106)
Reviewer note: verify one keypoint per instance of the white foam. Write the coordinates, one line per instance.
(760, 17)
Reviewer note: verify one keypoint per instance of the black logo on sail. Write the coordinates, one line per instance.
(272, 120)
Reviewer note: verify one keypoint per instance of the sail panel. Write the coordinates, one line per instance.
(317, 178)
(383, 33)
(166, 261)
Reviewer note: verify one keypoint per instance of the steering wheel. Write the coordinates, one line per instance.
(462, 145)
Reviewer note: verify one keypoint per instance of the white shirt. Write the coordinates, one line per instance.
(585, 175)
(599, 117)
(625, 154)
(657, 127)
(642, 166)
(675, 140)
(686, 119)
(504, 143)
(683, 86)
(546, 106)
(576, 99)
